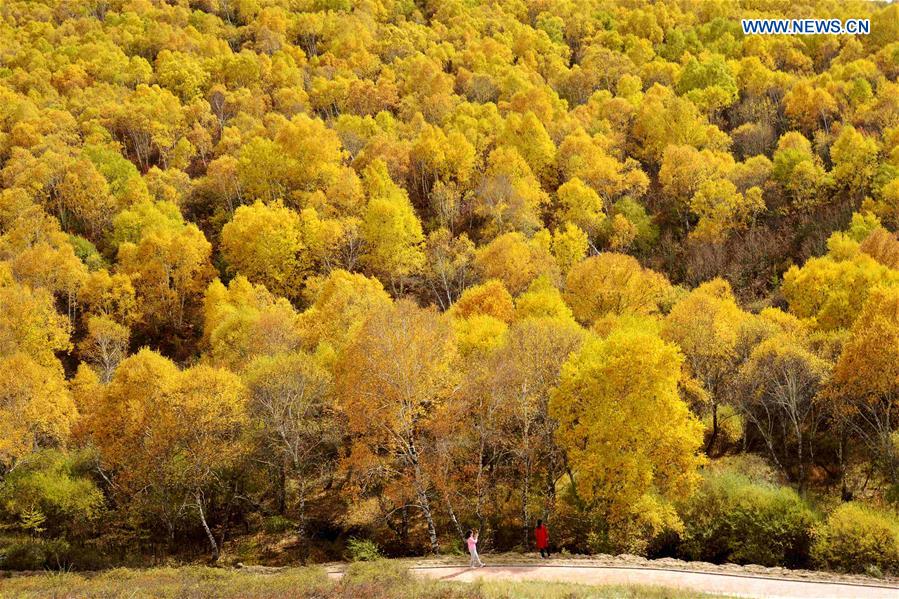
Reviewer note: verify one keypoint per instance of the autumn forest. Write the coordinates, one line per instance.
(326, 273)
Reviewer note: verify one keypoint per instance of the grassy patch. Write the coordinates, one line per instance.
(383, 579)
(192, 582)
(562, 590)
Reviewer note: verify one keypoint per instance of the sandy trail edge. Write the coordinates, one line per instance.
(737, 585)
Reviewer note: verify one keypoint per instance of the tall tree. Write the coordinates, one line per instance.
(169, 270)
(781, 381)
(391, 230)
(705, 325)
(290, 397)
(525, 370)
(166, 436)
(865, 389)
(36, 409)
(626, 431)
(391, 380)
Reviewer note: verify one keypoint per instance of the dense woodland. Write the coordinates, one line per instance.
(389, 270)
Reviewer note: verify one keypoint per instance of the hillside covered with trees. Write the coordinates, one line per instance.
(392, 269)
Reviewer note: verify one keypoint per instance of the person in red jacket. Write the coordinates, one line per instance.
(541, 535)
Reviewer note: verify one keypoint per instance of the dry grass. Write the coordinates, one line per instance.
(375, 580)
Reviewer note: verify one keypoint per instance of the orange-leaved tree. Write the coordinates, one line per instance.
(392, 380)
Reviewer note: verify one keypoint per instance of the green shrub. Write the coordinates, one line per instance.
(644, 531)
(732, 519)
(278, 524)
(87, 252)
(750, 465)
(456, 547)
(22, 553)
(51, 492)
(855, 538)
(19, 552)
(363, 550)
(383, 571)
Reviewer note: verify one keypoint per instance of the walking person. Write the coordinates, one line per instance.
(471, 539)
(541, 535)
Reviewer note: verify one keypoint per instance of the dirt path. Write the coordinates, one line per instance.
(738, 585)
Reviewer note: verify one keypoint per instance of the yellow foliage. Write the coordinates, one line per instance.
(684, 169)
(614, 283)
(542, 300)
(169, 271)
(390, 228)
(510, 197)
(867, 371)
(581, 205)
(479, 334)
(516, 260)
(162, 432)
(30, 324)
(706, 326)
(832, 291)
(40, 255)
(489, 299)
(623, 424)
(105, 346)
(245, 320)
(722, 209)
(36, 408)
(570, 245)
(341, 303)
(265, 244)
(110, 296)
